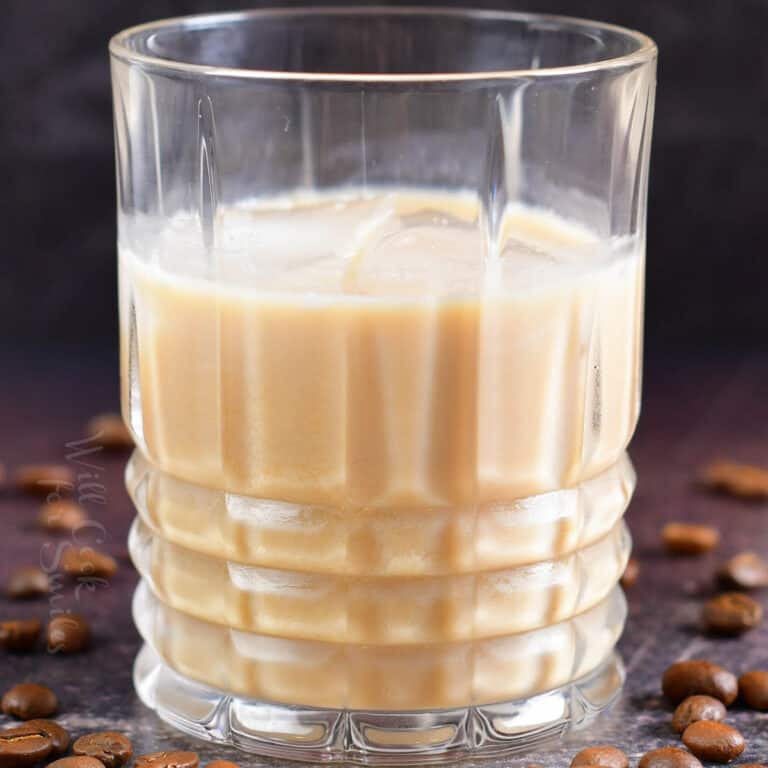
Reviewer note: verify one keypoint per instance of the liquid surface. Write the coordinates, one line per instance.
(374, 350)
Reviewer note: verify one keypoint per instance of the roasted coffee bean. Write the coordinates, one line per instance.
(168, 760)
(29, 700)
(743, 480)
(109, 431)
(19, 635)
(111, 748)
(603, 754)
(745, 571)
(21, 746)
(668, 757)
(62, 515)
(27, 582)
(228, 764)
(631, 573)
(753, 689)
(86, 562)
(689, 539)
(731, 614)
(42, 479)
(690, 678)
(696, 708)
(68, 633)
(716, 742)
(76, 761)
(59, 736)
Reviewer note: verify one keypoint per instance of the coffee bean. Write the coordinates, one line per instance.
(109, 431)
(668, 757)
(168, 760)
(42, 479)
(86, 562)
(744, 571)
(76, 761)
(68, 633)
(689, 539)
(689, 678)
(27, 701)
(696, 708)
(753, 689)
(19, 635)
(743, 480)
(27, 582)
(716, 742)
(731, 614)
(20, 746)
(59, 736)
(631, 573)
(111, 748)
(61, 516)
(603, 754)
(228, 764)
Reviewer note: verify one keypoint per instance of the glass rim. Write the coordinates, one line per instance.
(120, 49)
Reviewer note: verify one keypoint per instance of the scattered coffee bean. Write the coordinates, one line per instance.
(168, 760)
(68, 633)
(59, 736)
(111, 748)
(109, 430)
(27, 701)
(27, 582)
(631, 573)
(689, 538)
(731, 614)
(86, 562)
(603, 754)
(42, 479)
(743, 480)
(19, 635)
(696, 708)
(689, 678)
(76, 761)
(753, 689)
(62, 515)
(716, 742)
(745, 571)
(20, 746)
(668, 757)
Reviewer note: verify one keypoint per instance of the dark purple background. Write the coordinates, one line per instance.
(707, 266)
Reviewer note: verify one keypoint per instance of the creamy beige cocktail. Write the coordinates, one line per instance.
(333, 377)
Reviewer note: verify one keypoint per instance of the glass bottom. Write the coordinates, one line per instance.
(380, 738)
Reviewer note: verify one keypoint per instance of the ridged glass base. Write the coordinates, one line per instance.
(380, 738)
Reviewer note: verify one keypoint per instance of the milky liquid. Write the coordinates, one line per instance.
(375, 350)
(344, 400)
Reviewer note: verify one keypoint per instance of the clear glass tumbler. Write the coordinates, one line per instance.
(381, 301)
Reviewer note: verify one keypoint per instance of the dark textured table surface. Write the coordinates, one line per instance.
(693, 410)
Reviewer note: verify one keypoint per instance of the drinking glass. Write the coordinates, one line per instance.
(381, 301)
